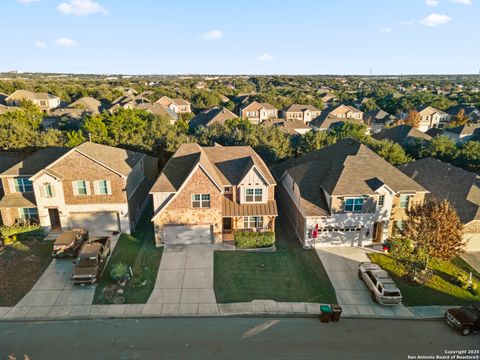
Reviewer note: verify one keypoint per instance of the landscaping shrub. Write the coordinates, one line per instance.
(253, 240)
(119, 271)
(8, 231)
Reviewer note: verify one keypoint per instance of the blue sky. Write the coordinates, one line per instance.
(241, 37)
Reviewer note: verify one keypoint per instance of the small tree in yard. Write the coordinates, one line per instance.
(435, 227)
(413, 119)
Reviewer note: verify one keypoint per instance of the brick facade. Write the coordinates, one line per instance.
(180, 211)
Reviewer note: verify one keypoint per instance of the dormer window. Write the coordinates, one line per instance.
(253, 195)
(23, 185)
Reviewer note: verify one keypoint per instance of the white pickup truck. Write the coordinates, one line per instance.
(382, 288)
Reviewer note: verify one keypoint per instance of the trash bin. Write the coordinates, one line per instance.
(336, 312)
(325, 313)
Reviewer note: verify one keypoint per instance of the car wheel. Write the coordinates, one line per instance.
(374, 299)
(466, 331)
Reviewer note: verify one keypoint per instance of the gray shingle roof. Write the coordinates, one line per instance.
(402, 134)
(33, 164)
(447, 182)
(217, 114)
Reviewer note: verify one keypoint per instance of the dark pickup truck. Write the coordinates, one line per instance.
(466, 320)
(91, 261)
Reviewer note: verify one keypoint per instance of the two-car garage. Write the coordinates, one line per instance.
(186, 235)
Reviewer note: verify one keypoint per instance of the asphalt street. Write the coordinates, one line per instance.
(230, 338)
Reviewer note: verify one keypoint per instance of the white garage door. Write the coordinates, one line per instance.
(198, 234)
(341, 238)
(95, 222)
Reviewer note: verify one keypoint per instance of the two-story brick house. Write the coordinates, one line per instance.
(95, 186)
(345, 194)
(305, 113)
(256, 112)
(206, 194)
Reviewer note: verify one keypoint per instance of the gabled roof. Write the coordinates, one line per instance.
(326, 121)
(33, 164)
(300, 108)
(459, 187)
(465, 130)
(25, 94)
(287, 126)
(345, 168)
(255, 106)
(9, 159)
(430, 108)
(225, 165)
(379, 116)
(469, 109)
(88, 103)
(217, 114)
(402, 134)
(158, 109)
(177, 101)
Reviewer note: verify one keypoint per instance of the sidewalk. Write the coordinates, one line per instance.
(253, 308)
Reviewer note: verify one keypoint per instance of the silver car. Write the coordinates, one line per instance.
(382, 288)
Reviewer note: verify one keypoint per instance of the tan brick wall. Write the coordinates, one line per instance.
(8, 216)
(180, 211)
(78, 167)
(399, 214)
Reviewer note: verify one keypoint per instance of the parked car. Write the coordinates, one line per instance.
(68, 243)
(382, 288)
(466, 320)
(91, 261)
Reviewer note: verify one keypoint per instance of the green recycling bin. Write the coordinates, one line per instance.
(336, 312)
(325, 313)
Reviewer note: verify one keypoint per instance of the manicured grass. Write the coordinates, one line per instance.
(440, 289)
(290, 274)
(139, 252)
(21, 264)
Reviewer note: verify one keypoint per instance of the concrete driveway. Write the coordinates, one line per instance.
(341, 264)
(54, 295)
(472, 258)
(184, 282)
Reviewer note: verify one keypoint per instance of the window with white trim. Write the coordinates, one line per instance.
(381, 200)
(30, 214)
(102, 187)
(253, 195)
(23, 185)
(81, 186)
(404, 201)
(354, 204)
(47, 190)
(200, 201)
(253, 222)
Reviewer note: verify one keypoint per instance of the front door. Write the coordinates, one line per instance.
(227, 224)
(378, 232)
(54, 216)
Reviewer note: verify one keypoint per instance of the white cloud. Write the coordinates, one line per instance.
(65, 42)
(435, 19)
(40, 44)
(386, 30)
(212, 35)
(464, 2)
(81, 8)
(431, 2)
(26, 1)
(265, 57)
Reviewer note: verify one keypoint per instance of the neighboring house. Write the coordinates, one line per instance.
(215, 115)
(75, 112)
(44, 101)
(160, 110)
(335, 115)
(470, 111)
(404, 135)
(128, 102)
(256, 112)
(431, 117)
(95, 186)
(7, 160)
(180, 106)
(305, 113)
(206, 194)
(378, 119)
(291, 127)
(345, 194)
(463, 133)
(459, 187)
(88, 104)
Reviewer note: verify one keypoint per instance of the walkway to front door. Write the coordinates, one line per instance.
(184, 281)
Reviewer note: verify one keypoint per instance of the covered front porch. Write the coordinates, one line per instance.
(247, 217)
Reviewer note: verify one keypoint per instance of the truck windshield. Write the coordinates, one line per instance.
(87, 261)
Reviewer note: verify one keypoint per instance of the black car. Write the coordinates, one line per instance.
(91, 261)
(69, 242)
(466, 320)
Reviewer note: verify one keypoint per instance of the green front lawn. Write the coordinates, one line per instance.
(139, 252)
(440, 289)
(290, 274)
(22, 262)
